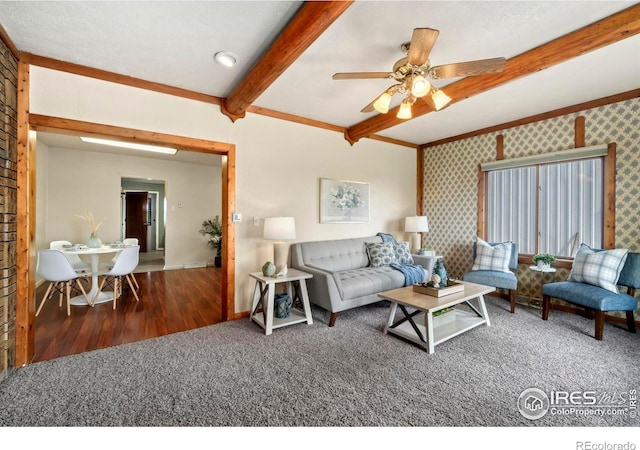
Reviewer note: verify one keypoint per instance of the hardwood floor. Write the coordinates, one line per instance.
(170, 301)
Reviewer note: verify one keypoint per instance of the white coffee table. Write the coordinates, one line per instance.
(427, 331)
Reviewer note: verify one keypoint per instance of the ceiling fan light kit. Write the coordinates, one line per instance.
(382, 103)
(405, 110)
(411, 74)
(440, 99)
(419, 86)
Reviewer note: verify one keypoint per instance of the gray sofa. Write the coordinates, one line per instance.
(342, 278)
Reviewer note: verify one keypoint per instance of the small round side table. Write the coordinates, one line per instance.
(543, 271)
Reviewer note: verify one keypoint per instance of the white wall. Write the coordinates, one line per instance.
(278, 165)
(77, 182)
(42, 177)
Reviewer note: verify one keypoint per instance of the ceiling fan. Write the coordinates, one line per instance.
(412, 71)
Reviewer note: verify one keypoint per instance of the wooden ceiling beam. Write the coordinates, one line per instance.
(313, 18)
(599, 34)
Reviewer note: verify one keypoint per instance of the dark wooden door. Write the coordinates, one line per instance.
(136, 219)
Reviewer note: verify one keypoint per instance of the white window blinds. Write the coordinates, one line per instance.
(547, 208)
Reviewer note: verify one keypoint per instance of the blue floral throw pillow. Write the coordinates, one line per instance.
(403, 254)
(381, 253)
(599, 268)
(492, 257)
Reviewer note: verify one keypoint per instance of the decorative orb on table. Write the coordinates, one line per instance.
(269, 269)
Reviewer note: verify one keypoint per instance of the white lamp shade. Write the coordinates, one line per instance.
(440, 99)
(279, 228)
(382, 103)
(416, 224)
(405, 111)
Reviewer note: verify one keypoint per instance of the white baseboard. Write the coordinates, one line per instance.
(194, 265)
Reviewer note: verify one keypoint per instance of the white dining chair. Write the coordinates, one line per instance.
(125, 263)
(53, 266)
(74, 259)
(132, 241)
(110, 264)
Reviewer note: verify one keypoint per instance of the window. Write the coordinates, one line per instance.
(548, 207)
(511, 207)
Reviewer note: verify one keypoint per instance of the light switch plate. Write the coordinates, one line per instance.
(236, 217)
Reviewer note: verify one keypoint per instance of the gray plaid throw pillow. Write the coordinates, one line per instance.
(599, 268)
(492, 257)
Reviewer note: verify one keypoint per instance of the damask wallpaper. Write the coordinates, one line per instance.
(451, 182)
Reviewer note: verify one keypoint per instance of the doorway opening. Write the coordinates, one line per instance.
(143, 216)
(27, 202)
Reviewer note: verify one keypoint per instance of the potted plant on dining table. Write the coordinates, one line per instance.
(94, 241)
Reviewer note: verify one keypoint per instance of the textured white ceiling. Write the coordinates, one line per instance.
(174, 43)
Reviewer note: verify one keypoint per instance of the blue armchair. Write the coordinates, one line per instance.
(498, 279)
(596, 300)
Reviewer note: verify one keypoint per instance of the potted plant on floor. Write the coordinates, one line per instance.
(543, 260)
(212, 228)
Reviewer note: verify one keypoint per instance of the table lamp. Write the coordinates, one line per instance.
(416, 225)
(279, 228)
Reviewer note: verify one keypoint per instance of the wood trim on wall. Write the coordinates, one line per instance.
(112, 77)
(628, 95)
(482, 195)
(579, 132)
(420, 183)
(609, 198)
(228, 243)
(78, 127)
(25, 229)
(26, 205)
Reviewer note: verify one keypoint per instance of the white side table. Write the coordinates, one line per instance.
(543, 271)
(264, 294)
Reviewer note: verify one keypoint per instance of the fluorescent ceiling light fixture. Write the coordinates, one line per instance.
(227, 59)
(131, 145)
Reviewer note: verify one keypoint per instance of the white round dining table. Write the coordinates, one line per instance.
(94, 253)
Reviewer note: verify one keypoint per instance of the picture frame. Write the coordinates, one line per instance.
(343, 201)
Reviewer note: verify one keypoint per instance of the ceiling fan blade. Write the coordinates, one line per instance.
(369, 108)
(469, 68)
(422, 42)
(360, 75)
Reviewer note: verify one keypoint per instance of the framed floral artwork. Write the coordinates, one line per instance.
(343, 201)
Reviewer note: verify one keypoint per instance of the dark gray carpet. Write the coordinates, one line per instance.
(231, 374)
